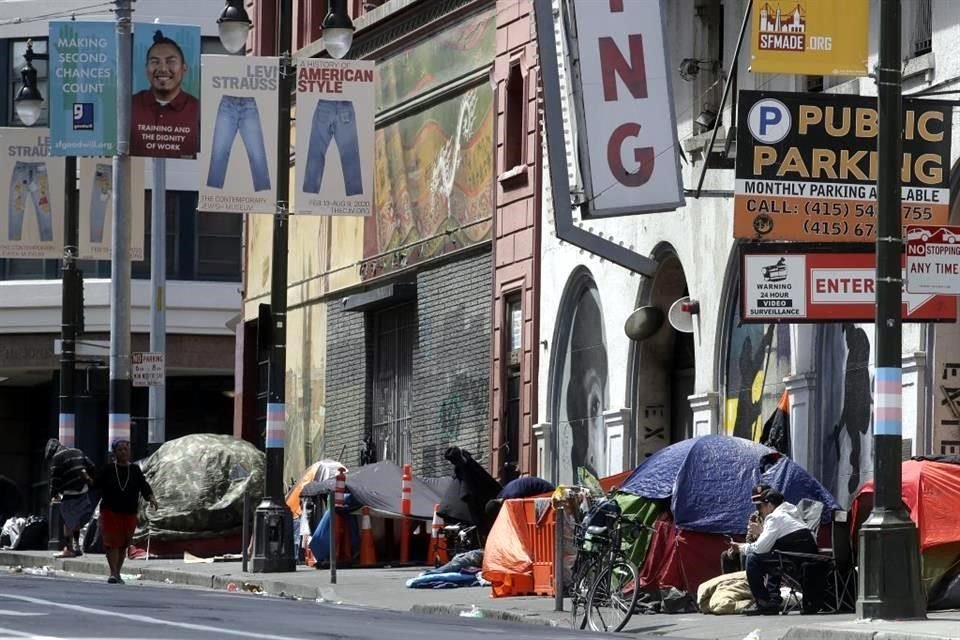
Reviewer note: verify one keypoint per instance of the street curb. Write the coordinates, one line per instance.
(447, 611)
(834, 633)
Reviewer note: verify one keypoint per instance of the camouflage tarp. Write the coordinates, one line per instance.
(190, 477)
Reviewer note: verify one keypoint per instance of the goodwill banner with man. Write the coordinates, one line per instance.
(335, 137)
(31, 192)
(165, 110)
(238, 159)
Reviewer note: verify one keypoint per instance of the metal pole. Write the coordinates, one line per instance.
(333, 537)
(69, 311)
(156, 429)
(245, 529)
(558, 520)
(273, 512)
(119, 407)
(889, 585)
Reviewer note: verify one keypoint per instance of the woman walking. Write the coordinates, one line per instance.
(121, 485)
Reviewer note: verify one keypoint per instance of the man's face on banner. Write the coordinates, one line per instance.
(165, 70)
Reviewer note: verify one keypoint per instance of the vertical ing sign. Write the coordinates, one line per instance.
(628, 127)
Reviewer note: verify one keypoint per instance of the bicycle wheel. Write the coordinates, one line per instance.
(613, 597)
(579, 595)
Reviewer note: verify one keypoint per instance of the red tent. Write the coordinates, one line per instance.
(680, 558)
(931, 493)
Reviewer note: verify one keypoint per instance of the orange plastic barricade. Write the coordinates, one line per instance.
(541, 535)
(518, 558)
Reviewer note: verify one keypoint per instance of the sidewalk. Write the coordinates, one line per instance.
(384, 589)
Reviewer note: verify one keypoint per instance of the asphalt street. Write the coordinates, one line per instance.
(58, 609)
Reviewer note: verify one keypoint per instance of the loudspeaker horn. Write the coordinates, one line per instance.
(681, 314)
(643, 323)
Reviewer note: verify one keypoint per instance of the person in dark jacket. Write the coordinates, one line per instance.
(68, 467)
(121, 485)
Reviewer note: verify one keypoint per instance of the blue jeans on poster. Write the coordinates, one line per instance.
(238, 114)
(99, 197)
(333, 119)
(30, 179)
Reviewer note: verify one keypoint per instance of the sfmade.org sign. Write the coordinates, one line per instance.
(807, 166)
(625, 112)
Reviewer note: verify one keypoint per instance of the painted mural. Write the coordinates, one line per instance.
(846, 407)
(441, 58)
(434, 166)
(757, 362)
(583, 391)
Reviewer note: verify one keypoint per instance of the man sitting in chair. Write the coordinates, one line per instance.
(783, 529)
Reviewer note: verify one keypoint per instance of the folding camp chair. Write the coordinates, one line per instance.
(830, 572)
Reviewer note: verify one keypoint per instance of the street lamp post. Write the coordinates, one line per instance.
(28, 103)
(119, 404)
(889, 584)
(273, 523)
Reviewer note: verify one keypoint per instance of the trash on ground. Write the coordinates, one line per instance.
(475, 612)
(753, 635)
(39, 571)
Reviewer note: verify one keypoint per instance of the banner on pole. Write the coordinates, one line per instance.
(32, 225)
(335, 109)
(810, 37)
(83, 79)
(238, 157)
(96, 204)
(165, 114)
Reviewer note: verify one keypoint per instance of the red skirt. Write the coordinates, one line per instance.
(116, 529)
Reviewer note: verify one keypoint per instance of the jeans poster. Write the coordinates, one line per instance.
(83, 108)
(96, 207)
(32, 224)
(238, 158)
(165, 111)
(335, 138)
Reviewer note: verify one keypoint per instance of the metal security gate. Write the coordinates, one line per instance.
(394, 334)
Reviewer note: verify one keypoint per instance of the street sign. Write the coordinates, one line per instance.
(807, 166)
(933, 259)
(146, 368)
(799, 283)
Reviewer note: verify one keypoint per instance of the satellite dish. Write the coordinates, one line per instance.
(643, 323)
(681, 314)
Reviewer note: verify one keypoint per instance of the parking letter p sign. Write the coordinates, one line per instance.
(769, 121)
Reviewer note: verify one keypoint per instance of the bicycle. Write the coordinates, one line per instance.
(604, 587)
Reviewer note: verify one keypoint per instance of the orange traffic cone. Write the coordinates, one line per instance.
(341, 525)
(368, 551)
(406, 490)
(437, 551)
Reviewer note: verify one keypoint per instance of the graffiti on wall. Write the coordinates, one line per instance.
(583, 391)
(465, 398)
(758, 359)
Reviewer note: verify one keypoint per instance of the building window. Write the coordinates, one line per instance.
(510, 446)
(141, 270)
(923, 28)
(17, 49)
(218, 246)
(515, 135)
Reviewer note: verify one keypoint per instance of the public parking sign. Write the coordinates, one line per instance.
(793, 282)
(146, 368)
(933, 259)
